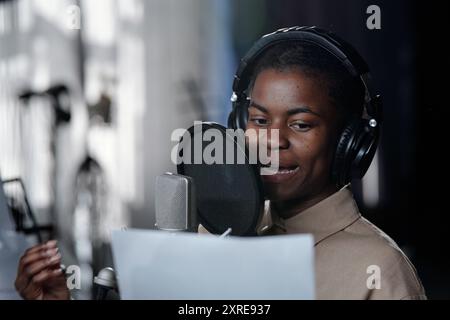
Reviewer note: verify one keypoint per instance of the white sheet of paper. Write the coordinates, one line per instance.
(159, 265)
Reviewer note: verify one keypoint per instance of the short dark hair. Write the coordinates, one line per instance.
(345, 91)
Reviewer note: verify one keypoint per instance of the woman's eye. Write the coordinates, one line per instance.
(300, 126)
(259, 121)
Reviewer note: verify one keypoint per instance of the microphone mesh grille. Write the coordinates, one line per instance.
(171, 202)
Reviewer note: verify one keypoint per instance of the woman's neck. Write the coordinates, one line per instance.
(288, 209)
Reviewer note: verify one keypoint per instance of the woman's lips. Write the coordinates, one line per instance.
(281, 175)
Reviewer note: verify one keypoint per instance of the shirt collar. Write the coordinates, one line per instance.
(325, 218)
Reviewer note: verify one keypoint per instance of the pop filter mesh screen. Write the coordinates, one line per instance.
(228, 195)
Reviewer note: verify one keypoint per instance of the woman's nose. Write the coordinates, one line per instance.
(277, 139)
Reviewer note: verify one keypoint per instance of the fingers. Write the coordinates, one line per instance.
(34, 289)
(39, 257)
(48, 245)
(34, 268)
(34, 261)
(44, 275)
(37, 252)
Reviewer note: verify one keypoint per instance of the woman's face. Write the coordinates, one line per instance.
(300, 108)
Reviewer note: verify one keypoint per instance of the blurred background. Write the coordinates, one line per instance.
(90, 92)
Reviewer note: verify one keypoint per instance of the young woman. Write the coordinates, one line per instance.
(307, 94)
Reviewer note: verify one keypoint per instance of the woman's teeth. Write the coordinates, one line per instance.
(281, 170)
(287, 170)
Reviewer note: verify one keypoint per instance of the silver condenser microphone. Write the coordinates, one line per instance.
(175, 207)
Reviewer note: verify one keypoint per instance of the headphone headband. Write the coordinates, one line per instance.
(337, 47)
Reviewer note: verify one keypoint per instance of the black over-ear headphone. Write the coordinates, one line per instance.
(358, 141)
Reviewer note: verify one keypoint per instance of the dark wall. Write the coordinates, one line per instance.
(432, 214)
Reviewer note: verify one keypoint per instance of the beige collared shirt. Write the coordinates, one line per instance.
(353, 258)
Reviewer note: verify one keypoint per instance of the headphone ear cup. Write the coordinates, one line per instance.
(238, 116)
(242, 115)
(355, 151)
(342, 163)
(365, 150)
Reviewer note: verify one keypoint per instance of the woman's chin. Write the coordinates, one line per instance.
(277, 192)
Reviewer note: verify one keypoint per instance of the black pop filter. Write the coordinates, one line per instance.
(228, 195)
